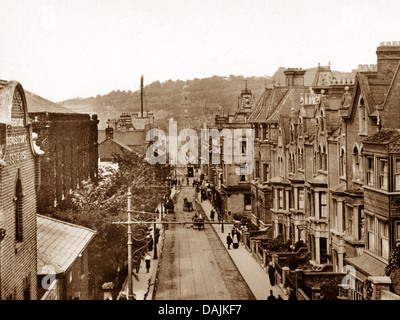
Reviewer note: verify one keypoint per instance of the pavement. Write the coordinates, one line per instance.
(144, 284)
(252, 272)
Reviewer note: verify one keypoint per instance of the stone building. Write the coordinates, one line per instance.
(20, 178)
(234, 192)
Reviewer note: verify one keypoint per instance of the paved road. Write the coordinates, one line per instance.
(194, 264)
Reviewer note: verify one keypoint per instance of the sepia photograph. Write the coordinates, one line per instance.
(200, 155)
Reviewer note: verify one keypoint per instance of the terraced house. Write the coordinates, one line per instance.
(327, 173)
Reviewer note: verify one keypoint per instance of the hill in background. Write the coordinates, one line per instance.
(164, 98)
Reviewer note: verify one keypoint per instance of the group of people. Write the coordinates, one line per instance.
(233, 239)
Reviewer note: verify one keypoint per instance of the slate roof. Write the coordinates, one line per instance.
(383, 137)
(119, 143)
(275, 102)
(59, 243)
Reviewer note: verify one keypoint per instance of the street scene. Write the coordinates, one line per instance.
(200, 151)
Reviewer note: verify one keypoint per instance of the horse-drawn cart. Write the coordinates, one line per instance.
(187, 205)
(198, 223)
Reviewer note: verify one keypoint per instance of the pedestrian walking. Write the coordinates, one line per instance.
(279, 297)
(235, 241)
(147, 260)
(229, 240)
(271, 296)
(212, 213)
(271, 274)
(239, 235)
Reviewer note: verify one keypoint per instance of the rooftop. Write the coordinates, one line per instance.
(59, 243)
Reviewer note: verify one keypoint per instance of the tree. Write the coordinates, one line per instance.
(98, 206)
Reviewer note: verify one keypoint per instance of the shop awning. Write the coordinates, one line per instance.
(367, 265)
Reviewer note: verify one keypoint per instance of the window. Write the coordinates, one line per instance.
(280, 198)
(370, 232)
(256, 131)
(247, 202)
(334, 214)
(243, 146)
(265, 172)
(324, 159)
(266, 133)
(300, 158)
(397, 174)
(322, 121)
(342, 164)
(370, 171)
(323, 205)
(362, 114)
(349, 221)
(280, 228)
(18, 212)
(397, 231)
(257, 169)
(292, 133)
(280, 137)
(320, 158)
(383, 174)
(300, 198)
(383, 235)
(356, 164)
(242, 175)
(289, 195)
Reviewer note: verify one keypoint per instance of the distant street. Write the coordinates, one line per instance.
(195, 264)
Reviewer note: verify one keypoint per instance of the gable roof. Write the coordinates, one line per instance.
(38, 104)
(119, 143)
(59, 243)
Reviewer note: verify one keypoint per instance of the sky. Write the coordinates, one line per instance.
(63, 49)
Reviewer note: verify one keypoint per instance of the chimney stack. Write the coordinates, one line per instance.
(109, 133)
(294, 77)
(388, 58)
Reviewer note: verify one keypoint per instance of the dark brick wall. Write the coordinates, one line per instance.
(71, 154)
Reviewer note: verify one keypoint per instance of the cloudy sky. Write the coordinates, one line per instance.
(61, 49)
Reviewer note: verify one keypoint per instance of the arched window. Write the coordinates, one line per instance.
(322, 120)
(18, 212)
(320, 158)
(301, 126)
(292, 133)
(356, 164)
(324, 159)
(362, 117)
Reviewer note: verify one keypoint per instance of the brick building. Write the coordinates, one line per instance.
(69, 141)
(19, 176)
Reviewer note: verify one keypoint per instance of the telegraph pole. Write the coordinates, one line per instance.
(130, 289)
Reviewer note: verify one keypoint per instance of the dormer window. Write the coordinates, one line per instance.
(362, 117)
